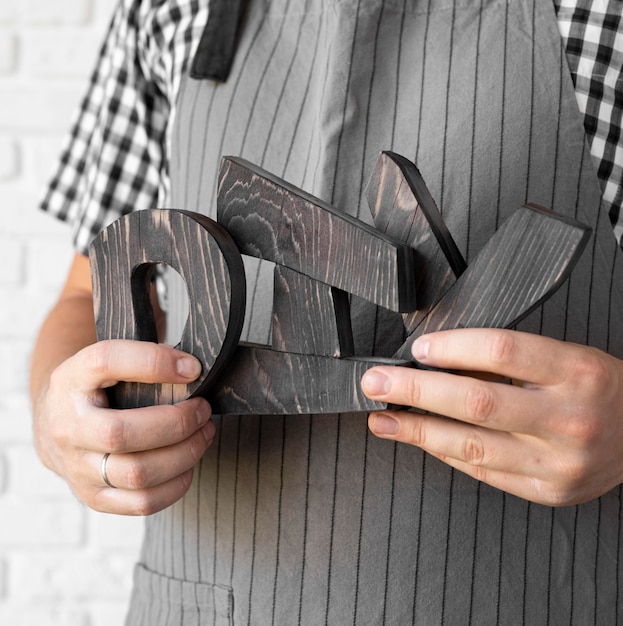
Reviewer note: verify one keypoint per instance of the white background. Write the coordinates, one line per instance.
(60, 563)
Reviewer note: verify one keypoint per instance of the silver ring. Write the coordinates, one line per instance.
(103, 471)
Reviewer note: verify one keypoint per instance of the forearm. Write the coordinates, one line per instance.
(68, 328)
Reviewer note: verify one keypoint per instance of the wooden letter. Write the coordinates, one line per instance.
(310, 317)
(262, 381)
(273, 220)
(202, 252)
(321, 256)
(403, 208)
(522, 265)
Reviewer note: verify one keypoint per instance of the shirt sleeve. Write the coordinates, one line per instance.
(592, 34)
(112, 160)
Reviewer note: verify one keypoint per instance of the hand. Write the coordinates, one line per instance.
(152, 450)
(554, 436)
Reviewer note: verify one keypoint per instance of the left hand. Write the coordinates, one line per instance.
(554, 436)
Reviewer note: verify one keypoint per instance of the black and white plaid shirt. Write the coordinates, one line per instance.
(115, 157)
(592, 33)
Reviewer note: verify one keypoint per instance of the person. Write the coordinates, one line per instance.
(314, 519)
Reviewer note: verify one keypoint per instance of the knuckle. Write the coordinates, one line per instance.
(111, 434)
(592, 373)
(566, 486)
(473, 450)
(148, 502)
(136, 476)
(185, 481)
(413, 391)
(59, 430)
(417, 434)
(479, 403)
(144, 505)
(197, 445)
(156, 358)
(582, 429)
(480, 473)
(99, 357)
(96, 500)
(178, 422)
(503, 348)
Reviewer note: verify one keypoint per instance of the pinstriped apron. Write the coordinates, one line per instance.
(312, 520)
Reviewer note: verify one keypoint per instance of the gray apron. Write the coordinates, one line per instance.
(312, 520)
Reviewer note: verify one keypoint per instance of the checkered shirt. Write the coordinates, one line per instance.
(115, 157)
(592, 34)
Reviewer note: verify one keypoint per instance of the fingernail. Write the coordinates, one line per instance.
(375, 383)
(204, 413)
(420, 348)
(208, 432)
(385, 425)
(188, 367)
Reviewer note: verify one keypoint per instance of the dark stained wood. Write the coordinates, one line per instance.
(262, 381)
(310, 317)
(522, 265)
(403, 208)
(271, 219)
(321, 257)
(205, 256)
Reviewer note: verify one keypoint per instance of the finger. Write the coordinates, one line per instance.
(142, 470)
(106, 363)
(533, 489)
(484, 451)
(135, 430)
(142, 502)
(512, 354)
(541, 490)
(492, 405)
(513, 463)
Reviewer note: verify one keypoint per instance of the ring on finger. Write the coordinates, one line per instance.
(103, 473)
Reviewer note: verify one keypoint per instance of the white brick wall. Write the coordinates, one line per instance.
(61, 564)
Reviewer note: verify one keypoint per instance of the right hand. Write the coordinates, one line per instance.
(152, 450)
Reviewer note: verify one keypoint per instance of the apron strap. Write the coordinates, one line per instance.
(215, 53)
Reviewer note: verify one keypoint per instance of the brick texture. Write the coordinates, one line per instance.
(61, 564)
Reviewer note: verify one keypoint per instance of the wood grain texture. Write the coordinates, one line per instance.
(310, 317)
(403, 208)
(204, 255)
(273, 220)
(262, 381)
(321, 255)
(524, 263)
